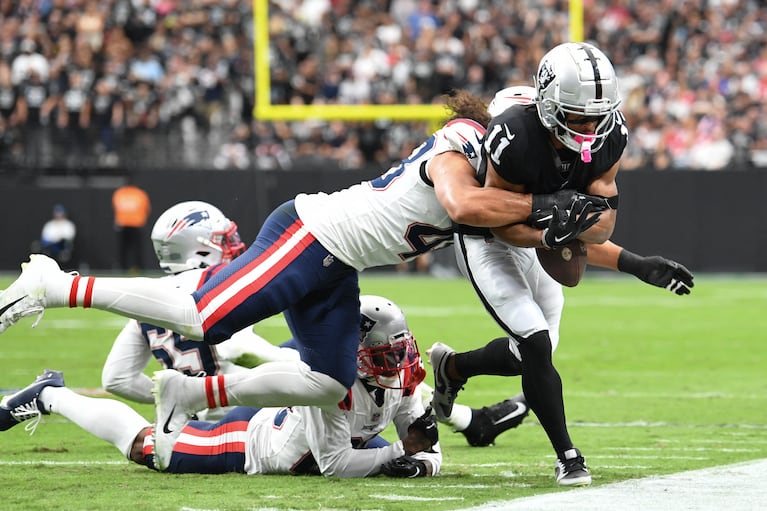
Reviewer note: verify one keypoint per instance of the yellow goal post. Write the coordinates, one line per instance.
(264, 110)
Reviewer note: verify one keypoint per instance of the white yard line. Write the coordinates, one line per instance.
(738, 487)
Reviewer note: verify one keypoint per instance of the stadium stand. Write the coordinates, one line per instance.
(170, 84)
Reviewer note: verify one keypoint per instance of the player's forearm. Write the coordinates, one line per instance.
(489, 207)
(604, 255)
(601, 231)
(519, 235)
(467, 201)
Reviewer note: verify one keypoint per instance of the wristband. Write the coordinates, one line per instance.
(543, 239)
(629, 262)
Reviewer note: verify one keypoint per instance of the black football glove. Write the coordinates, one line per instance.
(564, 200)
(404, 466)
(565, 226)
(658, 271)
(426, 424)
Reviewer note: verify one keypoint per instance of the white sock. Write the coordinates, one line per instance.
(108, 419)
(271, 384)
(150, 300)
(460, 418)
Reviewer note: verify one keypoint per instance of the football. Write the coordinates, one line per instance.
(565, 264)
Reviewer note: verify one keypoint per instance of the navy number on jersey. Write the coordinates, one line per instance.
(177, 352)
(425, 238)
(383, 181)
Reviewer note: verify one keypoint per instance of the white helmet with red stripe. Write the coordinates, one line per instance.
(514, 95)
(194, 234)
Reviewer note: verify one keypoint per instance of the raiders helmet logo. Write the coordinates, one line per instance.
(545, 75)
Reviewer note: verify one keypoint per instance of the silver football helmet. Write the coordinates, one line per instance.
(577, 78)
(514, 95)
(387, 355)
(194, 234)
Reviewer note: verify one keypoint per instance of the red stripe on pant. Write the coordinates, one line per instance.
(243, 272)
(203, 450)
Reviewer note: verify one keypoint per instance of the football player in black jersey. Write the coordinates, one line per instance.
(570, 138)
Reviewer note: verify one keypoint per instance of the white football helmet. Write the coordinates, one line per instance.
(194, 234)
(577, 78)
(514, 95)
(388, 355)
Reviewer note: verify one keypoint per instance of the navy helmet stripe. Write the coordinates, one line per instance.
(597, 76)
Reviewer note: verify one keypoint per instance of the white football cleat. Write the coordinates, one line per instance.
(26, 295)
(172, 411)
(445, 389)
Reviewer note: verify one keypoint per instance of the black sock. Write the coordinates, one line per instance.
(542, 387)
(495, 358)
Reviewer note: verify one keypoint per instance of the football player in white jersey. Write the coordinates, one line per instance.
(331, 440)
(191, 240)
(571, 135)
(304, 262)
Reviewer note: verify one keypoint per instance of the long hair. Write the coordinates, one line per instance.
(466, 105)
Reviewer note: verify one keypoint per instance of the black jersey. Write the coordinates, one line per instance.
(522, 153)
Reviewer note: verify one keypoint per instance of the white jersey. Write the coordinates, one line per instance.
(137, 343)
(304, 439)
(395, 217)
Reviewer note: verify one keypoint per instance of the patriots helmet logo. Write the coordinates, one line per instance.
(469, 151)
(193, 218)
(366, 325)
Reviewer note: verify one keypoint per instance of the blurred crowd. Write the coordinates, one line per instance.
(170, 83)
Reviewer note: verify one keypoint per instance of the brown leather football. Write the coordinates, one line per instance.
(565, 264)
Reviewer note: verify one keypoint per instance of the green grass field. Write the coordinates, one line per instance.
(654, 384)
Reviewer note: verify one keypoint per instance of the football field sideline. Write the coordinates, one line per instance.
(738, 487)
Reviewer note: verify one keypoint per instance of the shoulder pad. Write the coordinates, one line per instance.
(462, 135)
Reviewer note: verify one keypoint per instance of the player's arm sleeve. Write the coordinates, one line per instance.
(123, 372)
(329, 437)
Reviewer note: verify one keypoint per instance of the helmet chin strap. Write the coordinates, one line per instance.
(585, 150)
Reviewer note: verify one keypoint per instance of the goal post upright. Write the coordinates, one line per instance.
(575, 14)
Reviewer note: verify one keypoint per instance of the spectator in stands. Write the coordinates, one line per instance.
(73, 120)
(35, 106)
(675, 60)
(10, 145)
(29, 61)
(235, 153)
(107, 114)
